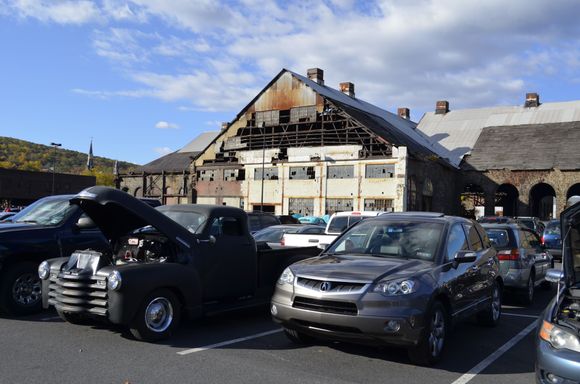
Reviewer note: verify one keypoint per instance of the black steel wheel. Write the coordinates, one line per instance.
(20, 290)
(432, 344)
(157, 317)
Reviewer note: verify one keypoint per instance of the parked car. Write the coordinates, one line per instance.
(287, 219)
(496, 220)
(274, 235)
(400, 279)
(552, 239)
(259, 220)
(312, 220)
(6, 216)
(337, 223)
(558, 332)
(534, 223)
(164, 262)
(50, 227)
(523, 261)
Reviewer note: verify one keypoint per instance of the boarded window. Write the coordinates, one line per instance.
(305, 207)
(338, 205)
(268, 118)
(340, 171)
(302, 173)
(379, 171)
(379, 205)
(234, 174)
(206, 175)
(270, 173)
(299, 114)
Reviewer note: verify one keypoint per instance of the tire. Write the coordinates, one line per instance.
(157, 316)
(491, 315)
(20, 290)
(73, 318)
(298, 338)
(528, 293)
(434, 338)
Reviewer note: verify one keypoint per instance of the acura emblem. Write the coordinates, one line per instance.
(326, 286)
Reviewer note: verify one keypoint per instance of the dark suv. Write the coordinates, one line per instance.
(399, 278)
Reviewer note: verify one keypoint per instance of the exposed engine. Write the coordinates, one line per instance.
(143, 248)
(570, 309)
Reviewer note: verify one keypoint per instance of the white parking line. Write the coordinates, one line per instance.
(519, 315)
(491, 358)
(229, 342)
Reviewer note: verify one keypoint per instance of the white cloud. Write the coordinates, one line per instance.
(166, 125)
(58, 11)
(162, 150)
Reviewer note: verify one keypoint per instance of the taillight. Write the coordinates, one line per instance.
(542, 240)
(509, 254)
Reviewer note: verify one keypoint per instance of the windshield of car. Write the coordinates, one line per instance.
(190, 220)
(44, 212)
(553, 228)
(399, 239)
(498, 237)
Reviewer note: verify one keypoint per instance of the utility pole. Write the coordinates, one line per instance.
(55, 146)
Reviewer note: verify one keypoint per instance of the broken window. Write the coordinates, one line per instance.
(206, 175)
(301, 114)
(338, 205)
(340, 171)
(270, 173)
(379, 171)
(305, 207)
(379, 205)
(268, 118)
(234, 174)
(302, 173)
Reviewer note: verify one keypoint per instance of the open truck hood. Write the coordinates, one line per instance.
(570, 220)
(117, 214)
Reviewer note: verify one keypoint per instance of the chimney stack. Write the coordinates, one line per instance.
(225, 126)
(532, 100)
(404, 113)
(442, 107)
(316, 74)
(347, 89)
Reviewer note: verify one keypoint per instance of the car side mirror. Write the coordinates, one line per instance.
(210, 240)
(465, 257)
(554, 275)
(322, 246)
(85, 223)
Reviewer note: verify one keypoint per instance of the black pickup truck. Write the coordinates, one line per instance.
(48, 228)
(182, 259)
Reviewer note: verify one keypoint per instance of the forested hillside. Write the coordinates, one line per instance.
(24, 155)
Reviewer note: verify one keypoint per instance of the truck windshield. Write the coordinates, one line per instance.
(400, 239)
(45, 212)
(190, 220)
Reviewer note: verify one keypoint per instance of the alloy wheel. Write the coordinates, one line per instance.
(437, 334)
(26, 290)
(495, 303)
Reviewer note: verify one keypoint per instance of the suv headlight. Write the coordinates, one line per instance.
(287, 277)
(114, 280)
(395, 288)
(44, 270)
(558, 337)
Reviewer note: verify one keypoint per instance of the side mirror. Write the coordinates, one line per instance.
(85, 223)
(322, 246)
(465, 257)
(210, 240)
(554, 275)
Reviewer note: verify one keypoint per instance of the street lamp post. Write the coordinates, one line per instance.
(55, 146)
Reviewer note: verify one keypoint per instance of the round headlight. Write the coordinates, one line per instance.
(114, 280)
(407, 287)
(44, 270)
(392, 288)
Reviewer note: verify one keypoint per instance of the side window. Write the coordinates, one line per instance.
(533, 240)
(484, 238)
(226, 226)
(456, 241)
(473, 238)
(524, 241)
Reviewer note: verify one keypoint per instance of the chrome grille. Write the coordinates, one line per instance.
(335, 286)
(78, 293)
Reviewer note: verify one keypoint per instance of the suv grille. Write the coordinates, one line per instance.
(329, 306)
(335, 286)
(78, 293)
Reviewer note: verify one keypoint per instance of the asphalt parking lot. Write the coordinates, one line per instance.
(246, 347)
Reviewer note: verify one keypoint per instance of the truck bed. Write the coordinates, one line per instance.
(271, 262)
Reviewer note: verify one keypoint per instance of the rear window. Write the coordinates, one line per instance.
(499, 237)
(527, 223)
(553, 228)
(338, 224)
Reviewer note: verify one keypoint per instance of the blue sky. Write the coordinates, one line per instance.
(144, 77)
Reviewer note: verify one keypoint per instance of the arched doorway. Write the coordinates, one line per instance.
(506, 200)
(573, 191)
(543, 201)
(472, 201)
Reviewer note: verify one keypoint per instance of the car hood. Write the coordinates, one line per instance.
(570, 221)
(11, 227)
(365, 269)
(117, 214)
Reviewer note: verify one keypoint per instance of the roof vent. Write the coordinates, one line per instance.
(316, 75)
(347, 89)
(532, 100)
(404, 113)
(442, 107)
